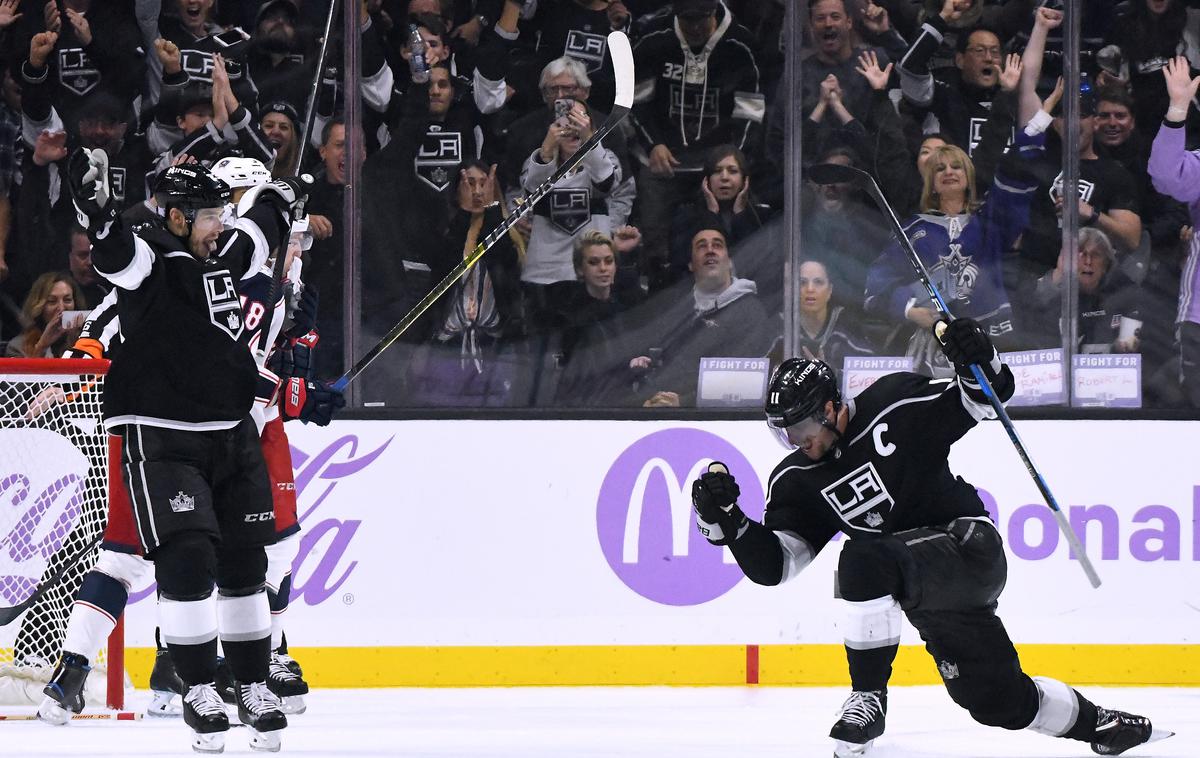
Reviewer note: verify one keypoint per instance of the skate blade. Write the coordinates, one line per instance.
(843, 749)
(1157, 734)
(213, 742)
(163, 706)
(293, 705)
(267, 742)
(52, 713)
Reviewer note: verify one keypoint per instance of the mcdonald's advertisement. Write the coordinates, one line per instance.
(564, 533)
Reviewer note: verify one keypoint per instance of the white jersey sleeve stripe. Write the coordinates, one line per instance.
(138, 269)
(797, 554)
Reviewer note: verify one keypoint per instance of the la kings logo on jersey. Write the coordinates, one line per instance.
(860, 498)
(586, 48)
(570, 209)
(224, 306)
(76, 71)
(437, 157)
(693, 101)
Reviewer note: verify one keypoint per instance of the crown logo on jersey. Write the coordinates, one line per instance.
(873, 519)
(183, 502)
(948, 670)
(234, 321)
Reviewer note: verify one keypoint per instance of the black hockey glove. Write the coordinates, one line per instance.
(310, 401)
(87, 174)
(965, 342)
(294, 356)
(304, 314)
(718, 517)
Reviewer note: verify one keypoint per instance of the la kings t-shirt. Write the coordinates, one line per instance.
(1103, 183)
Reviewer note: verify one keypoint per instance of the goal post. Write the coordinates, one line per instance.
(57, 465)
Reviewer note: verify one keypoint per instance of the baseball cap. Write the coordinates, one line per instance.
(695, 8)
(192, 95)
(281, 106)
(106, 106)
(271, 6)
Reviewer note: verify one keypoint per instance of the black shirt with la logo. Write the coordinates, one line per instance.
(889, 474)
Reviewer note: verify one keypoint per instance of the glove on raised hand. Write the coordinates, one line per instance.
(965, 342)
(714, 498)
(87, 175)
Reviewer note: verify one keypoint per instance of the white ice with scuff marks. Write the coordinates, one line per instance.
(610, 722)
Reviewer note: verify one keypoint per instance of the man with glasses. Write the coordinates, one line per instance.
(565, 79)
(919, 541)
(958, 99)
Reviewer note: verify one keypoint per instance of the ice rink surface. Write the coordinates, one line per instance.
(597, 722)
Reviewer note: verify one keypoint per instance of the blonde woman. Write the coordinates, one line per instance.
(960, 239)
(51, 295)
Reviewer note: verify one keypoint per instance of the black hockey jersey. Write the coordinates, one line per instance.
(889, 473)
(181, 365)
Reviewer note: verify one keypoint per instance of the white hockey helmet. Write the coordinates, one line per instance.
(241, 172)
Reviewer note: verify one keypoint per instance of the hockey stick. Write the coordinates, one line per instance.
(310, 112)
(622, 60)
(103, 716)
(831, 173)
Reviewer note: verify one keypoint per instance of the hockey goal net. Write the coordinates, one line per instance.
(56, 467)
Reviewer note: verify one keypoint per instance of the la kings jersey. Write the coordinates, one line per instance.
(891, 473)
(181, 365)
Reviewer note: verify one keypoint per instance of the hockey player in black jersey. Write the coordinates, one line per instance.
(920, 540)
(179, 394)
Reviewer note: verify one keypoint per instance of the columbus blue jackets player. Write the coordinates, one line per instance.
(920, 541)
(179, 393)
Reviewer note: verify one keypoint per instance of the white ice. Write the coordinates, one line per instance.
(604, 722)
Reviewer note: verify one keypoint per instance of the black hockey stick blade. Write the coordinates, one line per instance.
(827, 173)
(622, 60)
(11, 613)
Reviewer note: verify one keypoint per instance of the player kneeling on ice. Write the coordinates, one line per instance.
(179, 393)
(920, 540)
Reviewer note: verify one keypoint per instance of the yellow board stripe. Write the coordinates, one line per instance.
(697, 665)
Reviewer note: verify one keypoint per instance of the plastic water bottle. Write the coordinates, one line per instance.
(417, 64)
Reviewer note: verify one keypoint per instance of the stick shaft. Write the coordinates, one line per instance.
(101, 716)
(496, 234)
(1001, 413)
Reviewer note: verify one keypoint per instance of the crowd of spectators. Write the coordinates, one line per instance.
(668, 243)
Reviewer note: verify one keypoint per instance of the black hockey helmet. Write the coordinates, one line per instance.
(190, 187)
(799, 390)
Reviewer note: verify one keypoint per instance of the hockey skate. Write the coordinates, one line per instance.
(288, 686)
(64, 691)
(204, 712)
(287, 660)
(1117, 731)
(860, 721)
(260, 710)
(165, 684)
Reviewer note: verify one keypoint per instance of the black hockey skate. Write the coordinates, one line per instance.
(1117, 731)
(860, 721)
(287, 685)
(64, 691)
(224, 682)
(204, 712)
(260, 710)
(287, 660)
(165, 684)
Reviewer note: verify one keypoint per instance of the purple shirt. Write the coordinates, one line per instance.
(1176, 172)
